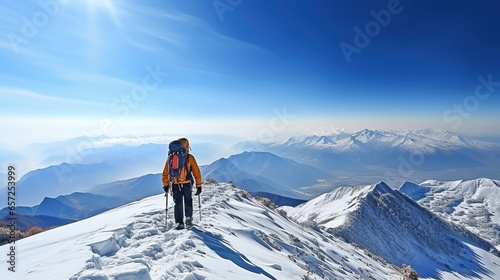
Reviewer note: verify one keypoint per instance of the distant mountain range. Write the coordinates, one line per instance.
(59, 180)
(64, 209)
(391, 225)
(392, 156)
(25, 222)
(96, 166)
(151, 151)
(131, 189)
(75, 206)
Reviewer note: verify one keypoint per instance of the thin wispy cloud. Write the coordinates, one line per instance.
(139, 10)
(162, 25)
(24, 95)
(90, 77)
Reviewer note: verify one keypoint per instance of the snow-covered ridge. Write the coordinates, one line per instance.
(237, 238)
(474, 204)
(331, 210)
(393, 226)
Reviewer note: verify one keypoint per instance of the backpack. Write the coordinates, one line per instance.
(177, 162)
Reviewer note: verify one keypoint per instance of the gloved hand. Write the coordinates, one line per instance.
(198, 190)
(165, 188)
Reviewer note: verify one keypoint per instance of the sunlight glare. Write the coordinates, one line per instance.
(94, 5)
(106, 6)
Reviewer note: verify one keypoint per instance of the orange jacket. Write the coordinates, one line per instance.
(192, 166)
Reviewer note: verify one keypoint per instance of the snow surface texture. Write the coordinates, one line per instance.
(238, 238)
(474, 204)
(396, 228)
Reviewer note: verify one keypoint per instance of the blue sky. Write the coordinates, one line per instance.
(228, 66)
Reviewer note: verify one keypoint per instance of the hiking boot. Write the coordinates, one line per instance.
(189, 221)
(179, 226)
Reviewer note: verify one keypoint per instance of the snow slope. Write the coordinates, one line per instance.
(474, 204)
(396, 228)
(238, 238)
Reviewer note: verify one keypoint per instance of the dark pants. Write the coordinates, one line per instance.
(183, 199)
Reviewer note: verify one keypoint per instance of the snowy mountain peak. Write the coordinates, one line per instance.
(382, 188)
(325, 140)
(367, 135)
(288, 142)
(222, 162)
(333, 209)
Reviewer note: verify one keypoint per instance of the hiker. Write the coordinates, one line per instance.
(182, 181)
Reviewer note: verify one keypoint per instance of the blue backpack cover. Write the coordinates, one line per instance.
(177, 162)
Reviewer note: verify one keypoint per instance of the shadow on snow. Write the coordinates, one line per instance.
(216, 244)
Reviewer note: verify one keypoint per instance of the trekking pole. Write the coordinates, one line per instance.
(166, 209)
(199, 205)
(166, 204)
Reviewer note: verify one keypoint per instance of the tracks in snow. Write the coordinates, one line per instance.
(144, 250)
